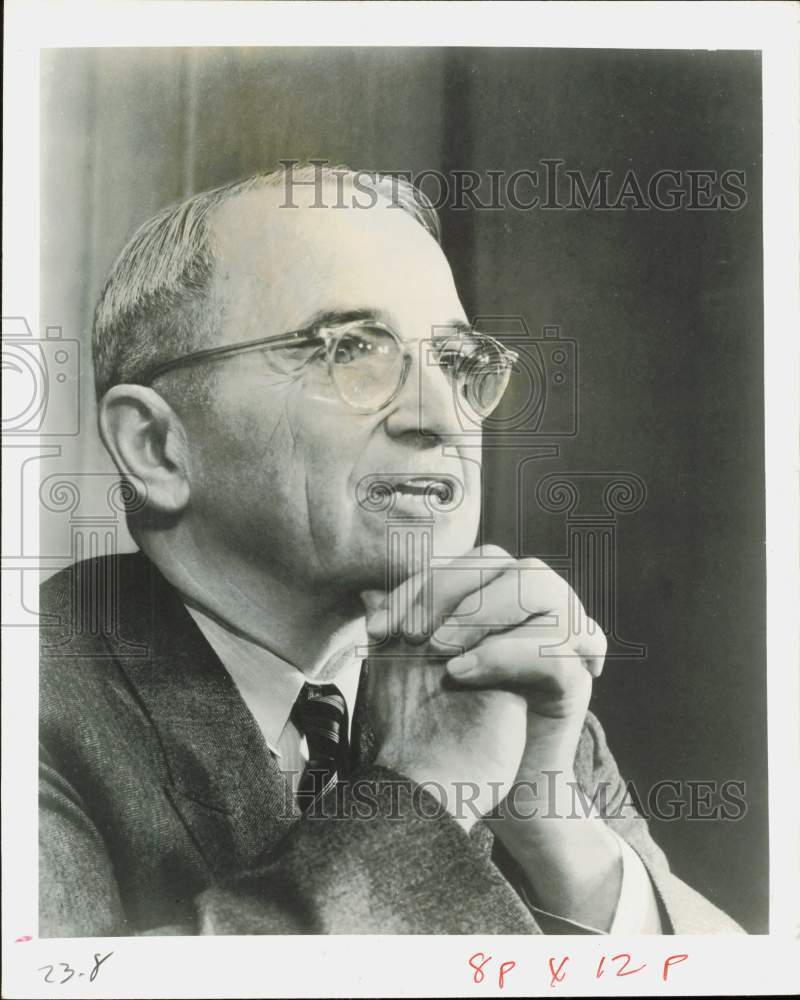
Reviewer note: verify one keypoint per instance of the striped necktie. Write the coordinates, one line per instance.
(320, 713)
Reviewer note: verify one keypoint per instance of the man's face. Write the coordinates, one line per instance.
(277, 460)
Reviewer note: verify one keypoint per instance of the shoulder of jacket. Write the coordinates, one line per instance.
(77, 612)
(592, 755)
(78, 604)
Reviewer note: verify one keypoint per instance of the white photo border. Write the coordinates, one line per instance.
(421, 965)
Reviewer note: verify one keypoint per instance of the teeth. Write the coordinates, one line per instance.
(439, 493)
(420, 487)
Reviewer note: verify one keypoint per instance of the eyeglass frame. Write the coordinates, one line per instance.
(330, 336)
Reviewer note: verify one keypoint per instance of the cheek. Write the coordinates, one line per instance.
(326, 448)
(241, 452)
(328, 473)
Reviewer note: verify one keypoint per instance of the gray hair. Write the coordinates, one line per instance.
(157, 301)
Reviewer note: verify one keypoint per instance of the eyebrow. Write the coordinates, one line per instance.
(460, 325)
(336, 317)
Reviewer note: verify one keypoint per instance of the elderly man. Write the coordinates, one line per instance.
(218, 755)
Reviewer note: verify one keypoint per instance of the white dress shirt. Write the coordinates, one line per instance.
(269, 686)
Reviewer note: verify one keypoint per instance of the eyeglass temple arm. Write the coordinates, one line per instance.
(215, 353)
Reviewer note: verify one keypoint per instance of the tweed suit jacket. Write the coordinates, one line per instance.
(163, 812)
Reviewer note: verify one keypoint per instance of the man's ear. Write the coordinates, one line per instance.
(148, 443)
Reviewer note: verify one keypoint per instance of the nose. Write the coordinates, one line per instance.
(427, 405)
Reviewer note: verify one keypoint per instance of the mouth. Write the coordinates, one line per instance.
(441, 489)
(383, 491)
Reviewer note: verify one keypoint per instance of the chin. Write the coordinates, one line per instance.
(408, 548)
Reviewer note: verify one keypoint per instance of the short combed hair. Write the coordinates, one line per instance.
(157, 301)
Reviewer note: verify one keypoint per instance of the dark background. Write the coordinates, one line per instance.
(666, 309)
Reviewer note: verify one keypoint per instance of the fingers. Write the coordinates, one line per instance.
(526, 588)
(417, 607)
(523, 659)
(528, 595)
(591, 643)
(487, 592)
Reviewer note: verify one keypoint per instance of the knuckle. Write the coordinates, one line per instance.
(600, 639)
(592, 638)
(568, 592)
(415, 638)
(493, 552)
(574, 611)
(568, 670)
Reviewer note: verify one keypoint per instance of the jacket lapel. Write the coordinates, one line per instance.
(362, 738)
(219, 773)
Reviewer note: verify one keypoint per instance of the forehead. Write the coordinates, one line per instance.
(279, 266)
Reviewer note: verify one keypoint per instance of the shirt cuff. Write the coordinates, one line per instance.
(637, 909)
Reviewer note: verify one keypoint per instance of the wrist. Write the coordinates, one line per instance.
(569, 861)
(550, 748)
(551, 794)
(552, 812)
(552, 820)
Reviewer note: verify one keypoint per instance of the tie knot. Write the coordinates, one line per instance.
(320, 708)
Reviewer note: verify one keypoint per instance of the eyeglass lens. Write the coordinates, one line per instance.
(368, 365)
(484, 377)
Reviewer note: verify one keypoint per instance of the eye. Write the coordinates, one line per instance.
(350, 349)
(450, 360)
(365, 346)
(453, 352)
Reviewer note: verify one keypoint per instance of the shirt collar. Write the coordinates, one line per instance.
(268, 684)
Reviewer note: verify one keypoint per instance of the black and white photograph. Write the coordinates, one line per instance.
(388, 515)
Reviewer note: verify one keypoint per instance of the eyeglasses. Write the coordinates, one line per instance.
(368, 363)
